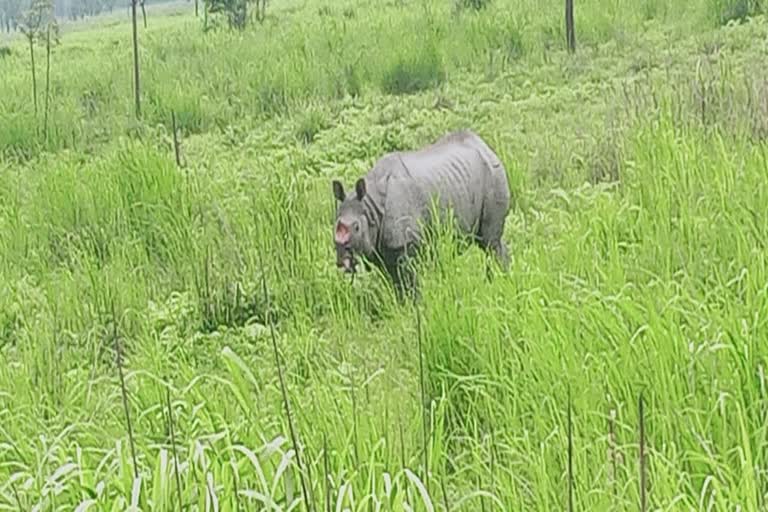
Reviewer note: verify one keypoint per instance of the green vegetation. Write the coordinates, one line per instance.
(638, 238)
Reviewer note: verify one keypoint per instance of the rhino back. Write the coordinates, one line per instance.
(454, 171)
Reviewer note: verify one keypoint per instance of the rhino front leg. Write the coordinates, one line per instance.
(403, 275)
(408, 283)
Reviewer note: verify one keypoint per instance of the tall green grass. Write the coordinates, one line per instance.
(637, 240)
(318, 52)
(657, 287)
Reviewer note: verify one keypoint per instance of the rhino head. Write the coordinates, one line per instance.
(353, 232)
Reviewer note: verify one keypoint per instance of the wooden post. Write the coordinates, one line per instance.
(143, 13)
(175, 139)
(31, 38)
(47, 79)
(136, 85)
(570, 30)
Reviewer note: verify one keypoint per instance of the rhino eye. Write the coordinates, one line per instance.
(357, 226)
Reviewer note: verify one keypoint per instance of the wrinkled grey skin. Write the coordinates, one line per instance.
(383, 218)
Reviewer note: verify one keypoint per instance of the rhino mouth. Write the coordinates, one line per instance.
(347, 263)
(345, 258)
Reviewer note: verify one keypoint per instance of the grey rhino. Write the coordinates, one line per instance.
(383, 218)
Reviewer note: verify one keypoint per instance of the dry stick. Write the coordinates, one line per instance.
(136, 83)
(445, 495)
(175, 139)
(283, 390)
(34, 75)
(570, 453)
(612, 449)
(570, 29)
(482, 498)
(234, 487)
(327, 470)
(702, 95)
(51, 385)
(16, 495)
(209, 488)
(353, 395)
(402, 455)
(311, 491)
(402, 443)
(387, 462)
(423, 401)
(124, 392)
(642, 453)
(494, 456)
(173, 444)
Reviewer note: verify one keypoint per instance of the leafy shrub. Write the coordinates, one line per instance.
(312, 122)
(415, 72)
(475, 5)
(505, 37)
(737, 10)
(235, 11)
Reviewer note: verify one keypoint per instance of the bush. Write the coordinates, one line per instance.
(312, 122)
(737, 10)
(415, 72)
(475, 5)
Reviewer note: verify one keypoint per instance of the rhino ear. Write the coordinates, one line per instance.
(360, 189)
(338, 190)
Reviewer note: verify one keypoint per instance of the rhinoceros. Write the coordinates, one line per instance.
(383, 219)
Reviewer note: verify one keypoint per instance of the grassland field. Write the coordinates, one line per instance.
(638, 233)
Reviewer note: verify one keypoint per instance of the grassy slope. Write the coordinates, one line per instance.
(655, 284)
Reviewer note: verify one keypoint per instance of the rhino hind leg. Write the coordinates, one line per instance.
(495, 207)
(490, 233)
(500, 253)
